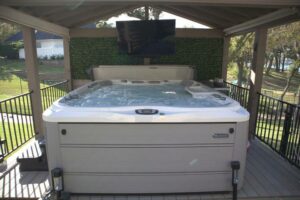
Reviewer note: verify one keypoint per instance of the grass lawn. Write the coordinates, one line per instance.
(274, 84)
(12, 84)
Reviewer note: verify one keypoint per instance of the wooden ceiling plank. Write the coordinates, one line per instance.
(50, 11)
(186, 16)
(216, 23)
(81, 17)
(104, 15)
(212, 14)
(73, 14)
(220, 13)
(25, 19)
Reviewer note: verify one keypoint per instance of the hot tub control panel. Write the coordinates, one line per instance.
(146, 111)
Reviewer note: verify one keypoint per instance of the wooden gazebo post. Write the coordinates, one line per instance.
(67, 64)
(225, 57)
(33, 78)
(256, 75)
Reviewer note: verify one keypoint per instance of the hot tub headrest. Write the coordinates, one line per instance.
(143, 72)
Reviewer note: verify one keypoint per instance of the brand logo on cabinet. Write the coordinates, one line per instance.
(220, 135)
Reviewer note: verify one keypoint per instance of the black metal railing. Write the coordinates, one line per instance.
(238, 93)
(278, 125)
(53, 92)
(277, 122)
(16, 123)
(16, 117)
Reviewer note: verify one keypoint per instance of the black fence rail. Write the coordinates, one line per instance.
(16, 117)
(16, 123)
(278, 125)
(238, 93)
(53, 92)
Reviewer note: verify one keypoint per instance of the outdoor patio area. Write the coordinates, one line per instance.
(207, 85)
(267, 176)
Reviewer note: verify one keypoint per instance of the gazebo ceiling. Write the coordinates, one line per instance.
(74, 16)
(219, 14)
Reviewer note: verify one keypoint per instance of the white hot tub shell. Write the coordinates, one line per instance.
(150, 148)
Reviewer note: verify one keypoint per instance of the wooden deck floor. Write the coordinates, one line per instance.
(268, 176)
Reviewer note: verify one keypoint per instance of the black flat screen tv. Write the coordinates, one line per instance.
(146, 38)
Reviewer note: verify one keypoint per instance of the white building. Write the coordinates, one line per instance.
(47, 44)
(47, 48)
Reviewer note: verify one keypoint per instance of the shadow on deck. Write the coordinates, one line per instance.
(268, 176)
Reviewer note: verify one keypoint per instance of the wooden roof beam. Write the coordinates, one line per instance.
(263, 21)
(24, 19)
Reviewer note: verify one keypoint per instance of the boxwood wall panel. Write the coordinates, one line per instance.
(203, 53)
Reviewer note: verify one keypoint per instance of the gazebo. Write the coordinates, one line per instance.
(227, 18)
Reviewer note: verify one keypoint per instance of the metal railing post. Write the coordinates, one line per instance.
(286, 129)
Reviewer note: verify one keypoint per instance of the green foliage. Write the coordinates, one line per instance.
(103, 24)
(205, 54)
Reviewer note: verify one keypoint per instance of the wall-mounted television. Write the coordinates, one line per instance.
(146, 38)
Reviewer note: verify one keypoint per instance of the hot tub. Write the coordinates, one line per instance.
(162, 136)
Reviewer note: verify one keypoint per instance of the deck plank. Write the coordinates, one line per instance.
(281, 163)
(267, 176)
(282, 177)
(260, 172)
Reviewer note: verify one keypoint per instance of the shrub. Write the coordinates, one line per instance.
(52, 57)
(9, 51)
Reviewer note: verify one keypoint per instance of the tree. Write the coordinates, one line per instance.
(291, 42)
(140, 13)
(7, 30)
(240, 52)
(293, 69)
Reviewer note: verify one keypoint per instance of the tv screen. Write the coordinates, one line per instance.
(146, 37)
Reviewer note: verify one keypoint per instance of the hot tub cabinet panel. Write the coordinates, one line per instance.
(147, 158)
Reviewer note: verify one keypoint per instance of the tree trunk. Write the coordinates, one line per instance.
(288, 83)
(299, 95)
(277, 63)
(282, 63)
(269, 65)
(240, 73)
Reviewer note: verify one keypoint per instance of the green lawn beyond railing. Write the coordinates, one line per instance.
(16, 117)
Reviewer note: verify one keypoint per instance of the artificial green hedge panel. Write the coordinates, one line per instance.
(203, 53)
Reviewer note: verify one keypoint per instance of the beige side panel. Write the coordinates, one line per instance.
(142, 160)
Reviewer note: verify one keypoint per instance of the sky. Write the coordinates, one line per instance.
(180, 22)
